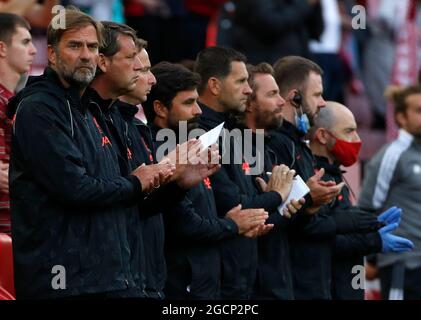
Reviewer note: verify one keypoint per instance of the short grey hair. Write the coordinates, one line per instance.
(324, 119)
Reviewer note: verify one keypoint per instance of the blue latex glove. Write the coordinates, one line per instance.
(391, 243)
(391, 215)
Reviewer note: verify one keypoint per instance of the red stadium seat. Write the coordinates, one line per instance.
(6, 266)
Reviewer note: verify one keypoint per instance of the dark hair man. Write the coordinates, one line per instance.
(193, 230)
(264, 112)
(71, 206)
(224, 91)
(122, 72)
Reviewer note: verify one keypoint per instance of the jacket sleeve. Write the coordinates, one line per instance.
(357, 244)
(325, 224)
(318, 226)
(228, 195)
(270, 20)
(187, 223)
(278, 220)
(47, 147)
(153, 204)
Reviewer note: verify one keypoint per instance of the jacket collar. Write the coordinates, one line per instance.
(105, 105)
(266, 135)
(127, 110)
(214, 118)
(332, 169)
(405, 137)
(290, 130)
(49, 83)
(71, 92)
(210, 114)
(154, 128)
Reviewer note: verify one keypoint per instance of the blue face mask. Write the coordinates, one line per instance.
(302, 123)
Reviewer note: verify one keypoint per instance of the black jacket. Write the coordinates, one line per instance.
(141, 150)
(274, 274)
(350, 249)
(311, 238)
(136, 148)
(271, 29)
(70, 204)
(192, 250)
(231, 186)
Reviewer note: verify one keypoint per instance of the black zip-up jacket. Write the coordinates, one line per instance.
(274, 274)
(133, 142)
(231, 186)
(71, 206)
(350, 249)
(193, 233)
(141, 142)
(311, 237)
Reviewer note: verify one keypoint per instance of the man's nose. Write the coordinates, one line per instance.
(247, 89)
(33, 50)
(152, 79)
(197, 111)
(322, 103)
(85, 53)
(281, 101)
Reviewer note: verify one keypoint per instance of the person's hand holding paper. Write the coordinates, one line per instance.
(281, 180)
(295, 198)
(194, 159)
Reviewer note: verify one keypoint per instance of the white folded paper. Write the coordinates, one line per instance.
(299, 190)
(211, 137)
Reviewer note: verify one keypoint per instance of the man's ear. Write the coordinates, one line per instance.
(322, 136)
(103, 63)
(401, 119)
(214, 85)
(290, 95)
(52, 56)
(3, 49)
(160, 110)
